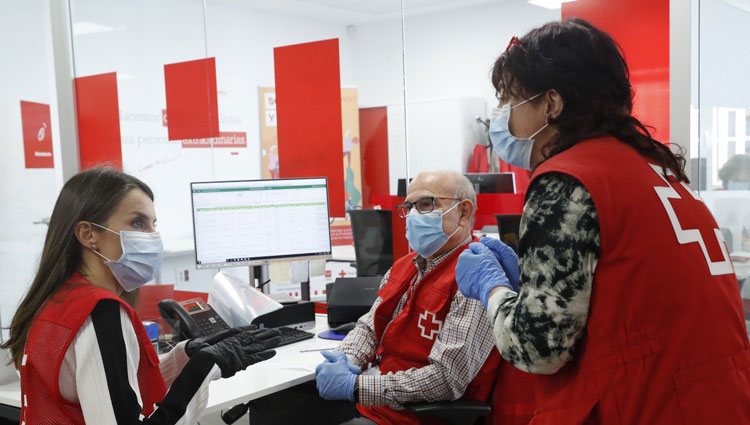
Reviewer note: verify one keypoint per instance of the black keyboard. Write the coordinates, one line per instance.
(291, 335)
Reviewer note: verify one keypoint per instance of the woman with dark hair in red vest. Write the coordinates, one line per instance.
(82, 351)
(628, 309)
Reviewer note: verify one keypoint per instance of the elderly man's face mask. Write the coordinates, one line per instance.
(424, 226)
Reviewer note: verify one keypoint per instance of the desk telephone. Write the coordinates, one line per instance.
(191, 318)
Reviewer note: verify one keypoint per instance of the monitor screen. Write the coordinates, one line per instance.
(373, 241)
(492, 182)
(252, 222)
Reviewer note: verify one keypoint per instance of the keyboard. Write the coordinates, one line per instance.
(291, 335)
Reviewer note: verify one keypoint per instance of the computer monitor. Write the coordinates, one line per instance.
(253, 222)
(373, 241)
(507, 228)
(493, 182)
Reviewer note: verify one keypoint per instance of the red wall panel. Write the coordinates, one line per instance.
(373, 136)
(308, 107)
(641, 28)
(98, 121)
(192, 105)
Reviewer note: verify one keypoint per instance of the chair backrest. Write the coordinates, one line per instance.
(373, 241)
(507, 227)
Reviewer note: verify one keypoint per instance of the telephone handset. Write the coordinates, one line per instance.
(192, 318)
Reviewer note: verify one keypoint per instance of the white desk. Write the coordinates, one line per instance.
(288, 368)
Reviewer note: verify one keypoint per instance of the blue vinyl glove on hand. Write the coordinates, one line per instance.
(507, 258)
(478, 272)
(335, 381)
(332, 357)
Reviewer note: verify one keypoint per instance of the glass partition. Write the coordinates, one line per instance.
(720, 151)
(450, 51)
(29, 134)
(242, 44)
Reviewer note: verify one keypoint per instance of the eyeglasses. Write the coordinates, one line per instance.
(423, 205)
(514, 41)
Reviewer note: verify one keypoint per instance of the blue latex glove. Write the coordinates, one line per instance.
(338, 356)
(478, 272)
(507, 258)
(335, 381)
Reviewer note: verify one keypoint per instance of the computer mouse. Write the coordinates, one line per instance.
(343, 329)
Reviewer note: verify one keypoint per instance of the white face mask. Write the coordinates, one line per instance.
(141, 258)
(511, 149)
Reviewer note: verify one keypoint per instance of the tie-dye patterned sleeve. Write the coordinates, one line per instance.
(537, 330)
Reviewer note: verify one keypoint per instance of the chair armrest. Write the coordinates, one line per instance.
(453, 412)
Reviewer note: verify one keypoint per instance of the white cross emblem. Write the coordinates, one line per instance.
(685, 236)
(433, 326)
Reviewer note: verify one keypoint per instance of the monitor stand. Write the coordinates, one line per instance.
(301, 273)
(260, 273)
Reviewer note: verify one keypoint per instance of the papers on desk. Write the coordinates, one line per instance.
(236, 301)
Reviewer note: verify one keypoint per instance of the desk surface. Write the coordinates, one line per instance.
(288, 368)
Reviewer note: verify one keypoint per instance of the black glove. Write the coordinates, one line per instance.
(196, 344)
(237, 352)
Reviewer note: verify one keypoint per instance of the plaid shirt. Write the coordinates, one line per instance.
(459, 352)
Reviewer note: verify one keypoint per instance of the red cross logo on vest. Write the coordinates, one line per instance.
(710, 240)
(342, 273)
(429, 325)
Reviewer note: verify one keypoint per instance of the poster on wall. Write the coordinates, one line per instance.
(341, 232)
(37, 135)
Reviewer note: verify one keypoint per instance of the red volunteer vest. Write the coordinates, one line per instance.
(50, 336)
(665, 341)
(407, 339)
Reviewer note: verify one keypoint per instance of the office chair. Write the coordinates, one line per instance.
(373, 241)
(516, 407)
(457, 412)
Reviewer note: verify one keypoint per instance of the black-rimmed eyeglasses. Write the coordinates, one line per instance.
(423, 205)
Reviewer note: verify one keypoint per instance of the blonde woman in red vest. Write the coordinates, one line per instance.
(628, 309)
(83, 354)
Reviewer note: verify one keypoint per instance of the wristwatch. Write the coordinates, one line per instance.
(356, 390)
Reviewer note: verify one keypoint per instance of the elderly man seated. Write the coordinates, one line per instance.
(421, 340)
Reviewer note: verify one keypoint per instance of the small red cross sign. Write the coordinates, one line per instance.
(429, 325)
(342, 273)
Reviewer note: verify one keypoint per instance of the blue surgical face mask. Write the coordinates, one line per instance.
(511, 149)
(141, 258)
(735, 185)
(425, 231)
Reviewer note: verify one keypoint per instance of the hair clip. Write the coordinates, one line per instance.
(514, 41)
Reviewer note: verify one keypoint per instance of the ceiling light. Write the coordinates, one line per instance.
(740, 4)
(549, 4)
(84, 28)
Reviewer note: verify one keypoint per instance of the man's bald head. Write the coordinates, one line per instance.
(444, 183)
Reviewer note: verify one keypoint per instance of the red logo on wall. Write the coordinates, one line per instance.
(37, 135)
